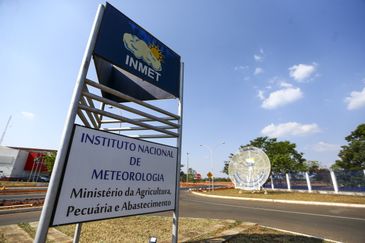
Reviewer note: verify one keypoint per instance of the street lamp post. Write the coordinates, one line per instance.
(4, 132)
(187, 167)
(211, 159)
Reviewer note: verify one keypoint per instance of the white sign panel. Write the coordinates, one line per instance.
(109, 175)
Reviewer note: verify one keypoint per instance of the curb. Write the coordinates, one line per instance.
(301, 234)
(20, 210)
(16, 206)
(350, 205)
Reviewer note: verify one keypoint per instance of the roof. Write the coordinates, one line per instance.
(34, 149)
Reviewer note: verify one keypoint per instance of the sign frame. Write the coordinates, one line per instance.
(64, 171)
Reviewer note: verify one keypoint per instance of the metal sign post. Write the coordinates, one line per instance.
(175, 219)
(49, 202)
(116, 85)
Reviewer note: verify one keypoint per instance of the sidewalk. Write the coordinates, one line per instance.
(14, 233)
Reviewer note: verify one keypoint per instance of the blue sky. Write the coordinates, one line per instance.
(288, 69)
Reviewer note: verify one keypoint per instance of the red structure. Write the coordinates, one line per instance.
(35, 159)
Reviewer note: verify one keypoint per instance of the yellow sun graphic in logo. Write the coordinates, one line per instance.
(156, 52)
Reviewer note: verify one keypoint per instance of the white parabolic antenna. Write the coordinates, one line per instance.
(249, 169)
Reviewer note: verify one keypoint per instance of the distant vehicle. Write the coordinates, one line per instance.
(43, 179)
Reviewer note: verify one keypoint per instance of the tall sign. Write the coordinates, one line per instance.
(99, 175)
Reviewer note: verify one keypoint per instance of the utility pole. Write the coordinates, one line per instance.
(211, 159)
(187, 167)
(6, 128)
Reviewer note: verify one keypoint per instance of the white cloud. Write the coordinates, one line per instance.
(301, 72)
(289, 129)
(356, 100)
(259, 57)
(240, 68)
(285, 84)
(323, 147)
(274, 80)
(28, 115)
(258, 70)
(261, 95)
(282, 97)
(280, 82)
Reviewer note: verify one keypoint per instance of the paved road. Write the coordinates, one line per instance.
(336, 223)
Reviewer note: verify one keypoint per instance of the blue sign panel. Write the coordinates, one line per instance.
(125, 44)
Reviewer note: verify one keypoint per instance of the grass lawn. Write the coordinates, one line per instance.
(317, 197)
(140, 228)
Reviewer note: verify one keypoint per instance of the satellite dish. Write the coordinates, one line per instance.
(249, 169)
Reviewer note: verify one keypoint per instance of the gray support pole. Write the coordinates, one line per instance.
(31, 172)
(102, 107)
(334, 181)
(77, 233)
(4, 132)
(35, 170)
(288, 181)
(213, 183)
(308, 182)
(364, 172)
(175, 217)
(272, 183)
(210, 180)
(39, 169)
(49, 202)
(187, 167)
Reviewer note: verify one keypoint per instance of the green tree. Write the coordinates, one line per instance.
(352, 155)
(282, 154)
(312, 166)
(182, 176)
(49, 159)
(226, 164)
(192, 174)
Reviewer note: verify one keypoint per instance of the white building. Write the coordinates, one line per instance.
(16, 162)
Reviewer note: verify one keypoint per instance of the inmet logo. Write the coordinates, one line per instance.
(150, 54)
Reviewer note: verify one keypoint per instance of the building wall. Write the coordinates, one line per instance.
(8, 157)
(18, 166)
